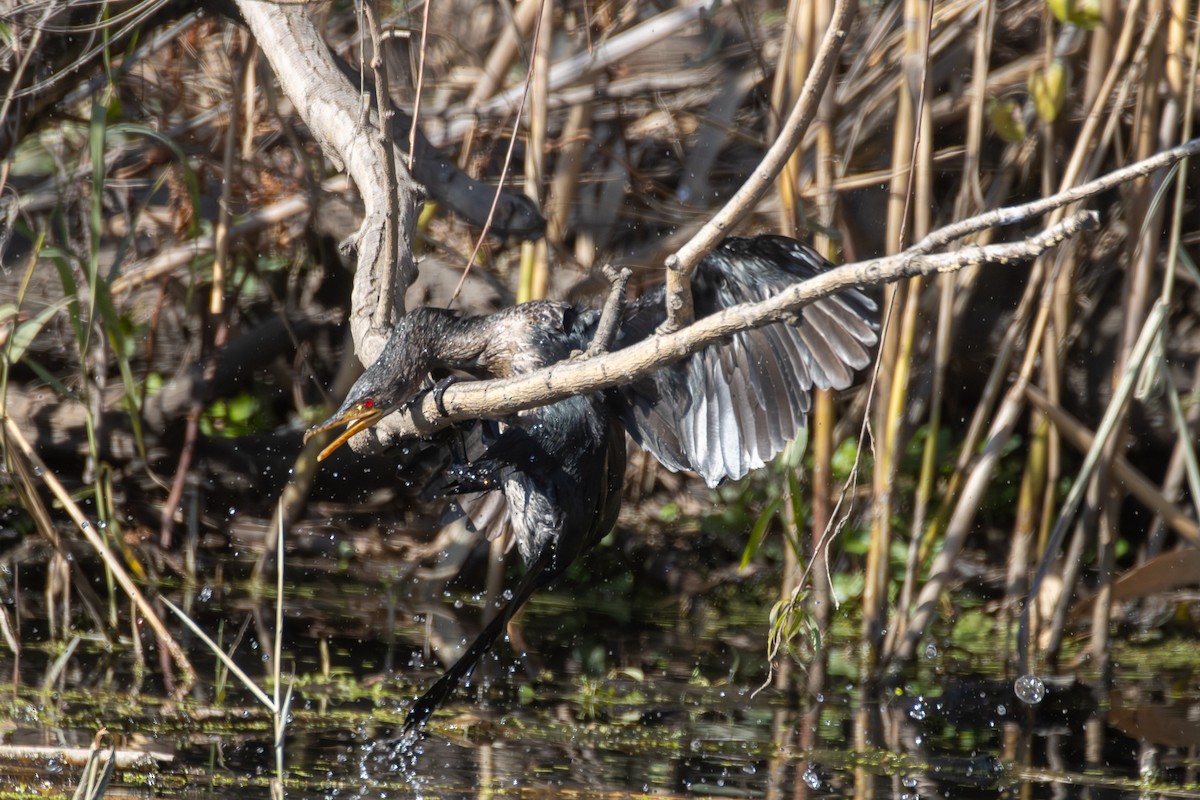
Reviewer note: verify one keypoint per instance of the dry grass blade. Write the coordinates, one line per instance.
(216, 650)
(111, 561)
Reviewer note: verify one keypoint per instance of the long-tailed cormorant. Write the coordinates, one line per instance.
(721, 412)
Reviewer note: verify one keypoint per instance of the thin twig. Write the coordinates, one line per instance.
(416, 115)
(610, 316)
(1014, 215)
(681, 263)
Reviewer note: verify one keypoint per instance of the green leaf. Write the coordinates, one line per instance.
(1007, 120)
(27, 331)
(1048, 88)
(1081, 13)
(759, 531)
(242, 408)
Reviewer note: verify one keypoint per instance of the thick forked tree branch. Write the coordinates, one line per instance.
(330, 106)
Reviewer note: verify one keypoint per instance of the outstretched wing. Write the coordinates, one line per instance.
(731, 408)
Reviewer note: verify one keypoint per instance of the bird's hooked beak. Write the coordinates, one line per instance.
(357, 417)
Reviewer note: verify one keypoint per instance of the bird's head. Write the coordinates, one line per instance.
(356, 416)
(384, 387)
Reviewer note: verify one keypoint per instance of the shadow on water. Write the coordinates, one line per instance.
(616, 698)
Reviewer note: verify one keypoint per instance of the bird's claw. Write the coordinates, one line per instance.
(439, 393)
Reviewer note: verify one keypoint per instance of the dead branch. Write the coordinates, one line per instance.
(500, 397)
(682, 262)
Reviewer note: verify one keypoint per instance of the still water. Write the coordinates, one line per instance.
(622, 694)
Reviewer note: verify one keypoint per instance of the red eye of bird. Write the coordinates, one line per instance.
(368, 404)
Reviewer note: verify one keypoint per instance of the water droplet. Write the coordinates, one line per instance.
(206, 594)
(1030, 689)
(918, 710)
(931, 651)
(812, 779)
(909, 782)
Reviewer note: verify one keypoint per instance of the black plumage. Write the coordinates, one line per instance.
(722, 412)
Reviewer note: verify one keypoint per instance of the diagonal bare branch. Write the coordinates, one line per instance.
(500, 397)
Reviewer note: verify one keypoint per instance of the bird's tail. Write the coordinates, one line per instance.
(535, 576)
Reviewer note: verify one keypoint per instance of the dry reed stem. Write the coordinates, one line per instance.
(909, 199)
(792, 62)
(1002, 428)
(823, 416)
(1109, 426)
(504, 50)
(535, 270)
(1001, 363)
(789, 76)
(564, 189)
(1143, 256)
(508, 154)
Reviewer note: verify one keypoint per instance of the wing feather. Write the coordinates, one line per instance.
(733, 407)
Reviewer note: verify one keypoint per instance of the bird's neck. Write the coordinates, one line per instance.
(437, 338)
